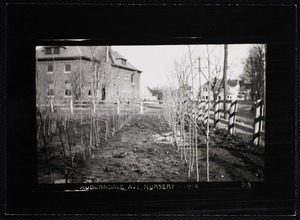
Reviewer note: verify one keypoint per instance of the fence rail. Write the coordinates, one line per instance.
(232, 115)
(235, 117)
(95, 105)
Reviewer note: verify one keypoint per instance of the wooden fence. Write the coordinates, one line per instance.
(94, 105)
(234, 119)
(233, 115)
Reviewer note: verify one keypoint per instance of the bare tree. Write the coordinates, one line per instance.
(254, 71)
(78, 82)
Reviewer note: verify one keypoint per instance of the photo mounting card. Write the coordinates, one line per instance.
(187, 111)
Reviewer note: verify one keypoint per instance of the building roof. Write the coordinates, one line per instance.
(117, 59)
(74, 51)
(230, 82)
(87, 52)
(245, 85)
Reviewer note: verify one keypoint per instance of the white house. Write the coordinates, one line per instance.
(236, 90)
(147, 95)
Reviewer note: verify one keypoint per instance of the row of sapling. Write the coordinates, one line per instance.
(55, 121)
(113, 117)
(51, 121)
(186, 112)
(44, 113)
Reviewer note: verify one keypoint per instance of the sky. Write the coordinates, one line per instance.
(156, 62)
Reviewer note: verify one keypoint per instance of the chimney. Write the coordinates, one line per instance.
(108, 53)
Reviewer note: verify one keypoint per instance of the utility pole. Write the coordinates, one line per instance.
(199, 67)
(225, 67)
(208, 113)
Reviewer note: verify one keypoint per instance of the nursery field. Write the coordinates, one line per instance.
(144, 150)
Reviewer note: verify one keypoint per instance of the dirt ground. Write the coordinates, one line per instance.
(143, 151)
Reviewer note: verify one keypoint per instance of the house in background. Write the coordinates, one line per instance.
(186, 90)
(85, 72)
(147, 95)
(237, 90)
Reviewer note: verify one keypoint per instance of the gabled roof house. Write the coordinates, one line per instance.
(85, 72)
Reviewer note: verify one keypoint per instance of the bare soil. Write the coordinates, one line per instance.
(143, 151)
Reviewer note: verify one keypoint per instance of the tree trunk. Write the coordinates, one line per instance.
(64, 151)
(45, 145)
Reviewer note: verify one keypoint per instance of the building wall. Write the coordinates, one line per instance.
(58, 77)
(232, 93)
(116, 81)
(124, 87)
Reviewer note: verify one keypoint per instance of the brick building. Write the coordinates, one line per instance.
(85, 72)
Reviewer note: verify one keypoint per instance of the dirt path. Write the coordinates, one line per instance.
(140, 152)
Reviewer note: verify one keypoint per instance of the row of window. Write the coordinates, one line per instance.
(219, 97)
(68, 91)
(67, 68)
(51, 50)
(127, 76)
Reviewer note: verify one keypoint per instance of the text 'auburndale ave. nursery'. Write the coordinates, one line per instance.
(127, 187)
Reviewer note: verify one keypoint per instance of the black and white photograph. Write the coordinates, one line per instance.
(159, 113)
(135, 109)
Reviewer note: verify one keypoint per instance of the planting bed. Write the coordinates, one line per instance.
(143, 151)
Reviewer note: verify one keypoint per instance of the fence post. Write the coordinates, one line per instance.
(232, 117)
(118, 106)
(106, 130)
(94, 106)
(226, 108)
(217, 113)
(141, 107)
(71, 106)
(206, 113)
(258, 122)
(200, 111)
(51, 104)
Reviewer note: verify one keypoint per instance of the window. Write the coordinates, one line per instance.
(127, 75)
(118, 91)
(103, 93)
(123, 61)
(67, 68)
(206, 97)
(48, 50)
(219, 97)
(56, 50)
(132, 78)
(90, 93)
(205, 89)
(68, 90)
(50, 68)
(50, 91)
(52, 50)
